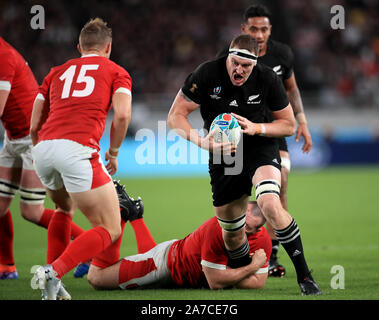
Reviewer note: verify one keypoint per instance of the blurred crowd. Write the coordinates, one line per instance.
(160, 41)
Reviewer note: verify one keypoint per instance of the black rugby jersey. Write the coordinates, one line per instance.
(210, 86)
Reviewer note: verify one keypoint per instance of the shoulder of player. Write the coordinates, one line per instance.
(281, 50)
(265, 73)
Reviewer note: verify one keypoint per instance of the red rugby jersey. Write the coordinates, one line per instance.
(206, 246)
(17, 78)
(79, 93)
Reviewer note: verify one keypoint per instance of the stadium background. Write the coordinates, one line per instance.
(159, 42)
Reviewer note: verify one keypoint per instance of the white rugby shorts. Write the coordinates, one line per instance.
(16, 153)
(149, 269)
(65, 162)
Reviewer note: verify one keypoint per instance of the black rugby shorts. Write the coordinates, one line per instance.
(227, 188)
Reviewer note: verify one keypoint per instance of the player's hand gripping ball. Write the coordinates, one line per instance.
(226, 128)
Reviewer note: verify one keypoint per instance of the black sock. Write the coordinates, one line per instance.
(239, 257)
(275, 248)
(290, 239)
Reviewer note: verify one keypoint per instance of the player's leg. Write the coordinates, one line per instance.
(230, 195)
(32, 192)
(141, 270)
(276, 269)
(10, 175)
(267, 189)
(232, 219)
(132, 211)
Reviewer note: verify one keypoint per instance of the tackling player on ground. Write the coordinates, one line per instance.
(196, 261)
(18, 89)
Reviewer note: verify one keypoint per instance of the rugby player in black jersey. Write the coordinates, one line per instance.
(251, 92)
(279, 57)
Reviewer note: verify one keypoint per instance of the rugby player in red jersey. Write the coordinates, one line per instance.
(198, 260)
(67, 123)
(18, 89)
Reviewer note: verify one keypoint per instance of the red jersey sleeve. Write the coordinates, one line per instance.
(7, 70)
(44, 89)
(122, 80)
(213, 252)
(261, 240)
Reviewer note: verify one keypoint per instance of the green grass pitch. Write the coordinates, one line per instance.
(335, 208)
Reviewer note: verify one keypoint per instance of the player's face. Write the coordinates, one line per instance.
(253, 223)
(260, 29)
(239, 69)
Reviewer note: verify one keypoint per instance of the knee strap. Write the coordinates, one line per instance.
(7, 189)
(233, 225)
(32, 195)
(267, 186)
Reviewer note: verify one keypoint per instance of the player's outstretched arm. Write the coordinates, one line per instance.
(122, 114)
(39, 115)
(294, 97)
(219, 279)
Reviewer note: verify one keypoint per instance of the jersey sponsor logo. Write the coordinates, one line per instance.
(216, 91)
(252, 99)
(278, 70)
(233, 103)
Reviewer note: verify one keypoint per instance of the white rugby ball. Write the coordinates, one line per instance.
(226, 129)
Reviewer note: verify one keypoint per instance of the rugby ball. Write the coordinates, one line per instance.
(226, 129)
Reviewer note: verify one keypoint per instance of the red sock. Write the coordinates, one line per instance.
(111, 254)
(6, 239)
(47, 214)
(145, 240)
(58, 235)
(89, 244)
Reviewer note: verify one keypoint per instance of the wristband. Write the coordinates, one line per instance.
(111, 156)
(114, 149)
(260, 129)
(300, 117)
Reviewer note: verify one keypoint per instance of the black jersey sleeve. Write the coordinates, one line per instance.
(193, 86)
(277, 96)
(288, 62)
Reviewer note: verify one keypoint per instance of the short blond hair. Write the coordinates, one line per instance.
(95, 35)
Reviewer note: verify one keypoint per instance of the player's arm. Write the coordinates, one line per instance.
(294, 97)
(3, 100)
(181, 108)
(39, 115)
(284, 124)
(255, 281)
(219, 279)
(122, 114)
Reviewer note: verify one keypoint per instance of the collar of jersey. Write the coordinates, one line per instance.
(90, 55)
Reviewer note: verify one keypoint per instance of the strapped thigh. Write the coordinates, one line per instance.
(232, 225)
(7, 189)
(32, 195)
(267, 186)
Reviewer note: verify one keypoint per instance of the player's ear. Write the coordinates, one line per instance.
(242, 27)
(108, 47)
(79, 48)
